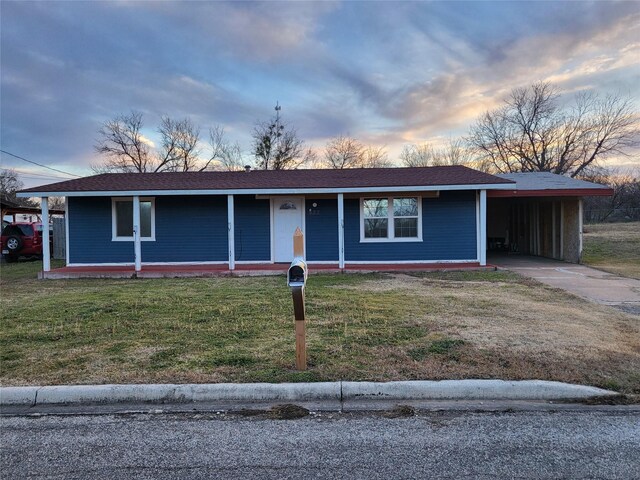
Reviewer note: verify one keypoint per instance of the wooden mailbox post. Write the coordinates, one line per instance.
(296, 279)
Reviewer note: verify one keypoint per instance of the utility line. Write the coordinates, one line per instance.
(40, 165)
(27, 173)
(40, 177)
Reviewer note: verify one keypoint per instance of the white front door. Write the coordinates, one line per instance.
(288, 214)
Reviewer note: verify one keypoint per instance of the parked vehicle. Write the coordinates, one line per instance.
(22, 239)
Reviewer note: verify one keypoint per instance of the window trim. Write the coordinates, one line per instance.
(391, 223)
(114, 227)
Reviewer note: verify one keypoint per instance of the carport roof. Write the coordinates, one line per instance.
(546, 184)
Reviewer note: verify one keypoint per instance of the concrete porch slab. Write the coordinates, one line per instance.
(222, 270)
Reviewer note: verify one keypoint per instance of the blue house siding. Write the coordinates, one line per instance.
(194, 229)
(188, 229)
(448, 232)
(322, 230)
(253, 229)
(90, 233)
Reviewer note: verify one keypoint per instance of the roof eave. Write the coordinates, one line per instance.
(265, 191)
(560, 192)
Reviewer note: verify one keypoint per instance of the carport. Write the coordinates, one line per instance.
(541, 216)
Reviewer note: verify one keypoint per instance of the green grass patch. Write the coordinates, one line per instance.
(613, 247)
(24, 269)
(470, 276)
(444, 346)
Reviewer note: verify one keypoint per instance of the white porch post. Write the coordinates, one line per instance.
(232, 228)
(553, 229)
(561, 256)
(66, 230)
(46, 253)
(137, 247)
(580, 211)
(538, 238)
(341, 230)
(478, 226)
(483, 227)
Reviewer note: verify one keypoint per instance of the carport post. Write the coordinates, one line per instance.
(483, 227)
(341, 230)
(137, 248)
(231, 226)
(46, 253)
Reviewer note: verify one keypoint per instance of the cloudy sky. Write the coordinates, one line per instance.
(386, 73)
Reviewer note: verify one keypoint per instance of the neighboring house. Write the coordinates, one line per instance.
(431, 215)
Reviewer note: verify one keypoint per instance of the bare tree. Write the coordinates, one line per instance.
(457, 153)
(125, 148)
(624, 204)
(224, 154)
(418, 155)
(344, 152)
(9, 185)
(426, 155)
(532, 132)
(375, 157)
(56, 203)
(277, 146)
(310, 159)
(347, 152)
(179, 146)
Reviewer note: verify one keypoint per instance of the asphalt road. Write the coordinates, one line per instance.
(539, 444)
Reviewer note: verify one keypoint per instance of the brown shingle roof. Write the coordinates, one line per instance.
(275, 179)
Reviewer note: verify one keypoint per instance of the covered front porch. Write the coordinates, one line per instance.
(218, 235)
(256, 269)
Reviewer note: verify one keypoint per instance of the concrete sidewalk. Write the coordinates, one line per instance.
(589, 283)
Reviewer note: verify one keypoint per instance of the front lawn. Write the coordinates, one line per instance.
(613, 247)
(360, 327)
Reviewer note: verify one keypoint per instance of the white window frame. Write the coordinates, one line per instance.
(114, 226)
(390, 222)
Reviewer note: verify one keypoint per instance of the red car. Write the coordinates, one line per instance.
(22, 239)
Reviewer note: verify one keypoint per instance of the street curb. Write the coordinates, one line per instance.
(298, 392)
(471, 390)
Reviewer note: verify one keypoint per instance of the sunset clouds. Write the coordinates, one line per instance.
(387, 73)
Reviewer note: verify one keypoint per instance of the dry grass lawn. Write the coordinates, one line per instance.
(360, 327)
(613, 247)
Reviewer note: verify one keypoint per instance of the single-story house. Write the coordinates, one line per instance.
(378, 216)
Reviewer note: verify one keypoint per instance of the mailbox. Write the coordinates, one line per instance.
(297, 274)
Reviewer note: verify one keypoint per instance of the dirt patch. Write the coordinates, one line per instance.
(400, 411)
(288, 411)
(389, 282)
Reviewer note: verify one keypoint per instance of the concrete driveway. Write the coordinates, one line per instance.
(595, 285)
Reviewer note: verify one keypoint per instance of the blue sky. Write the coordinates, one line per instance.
(386, 73)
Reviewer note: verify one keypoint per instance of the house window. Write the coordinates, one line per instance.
(396, 219)
(122, 219)
(376, 217)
